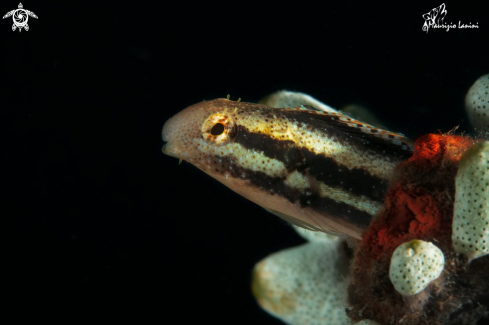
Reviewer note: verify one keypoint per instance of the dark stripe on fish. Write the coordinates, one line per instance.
(327, 206)
(307, 199)
(357, 181)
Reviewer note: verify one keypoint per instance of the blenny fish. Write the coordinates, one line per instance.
(322, 171)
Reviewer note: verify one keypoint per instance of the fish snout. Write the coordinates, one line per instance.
(168, 130)
(172, 134)
(182, 132)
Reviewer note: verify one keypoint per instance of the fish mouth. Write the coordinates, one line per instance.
(167, 150)
(163, 149)
(171, 148)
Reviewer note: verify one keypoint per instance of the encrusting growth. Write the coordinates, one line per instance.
(305, 284)
(414, 265)
(471, 211)
(477, 105)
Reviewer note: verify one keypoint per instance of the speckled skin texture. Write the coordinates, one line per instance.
(324, 169)
(184, 132)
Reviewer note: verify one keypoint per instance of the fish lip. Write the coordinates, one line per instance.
(170, 148)
(166, 149)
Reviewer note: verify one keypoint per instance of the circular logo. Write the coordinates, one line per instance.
(20, 17)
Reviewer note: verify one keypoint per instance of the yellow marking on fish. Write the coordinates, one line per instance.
(297, 181)
(360, 202)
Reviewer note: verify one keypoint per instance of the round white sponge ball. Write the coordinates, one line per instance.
(470, 234)
(476, 104)
(414, 265)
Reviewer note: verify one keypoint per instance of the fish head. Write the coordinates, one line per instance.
(232, 142)
(202, 133)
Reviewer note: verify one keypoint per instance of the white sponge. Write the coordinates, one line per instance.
(414, 265)
(476, 104)
(287, 99)
(305, 284)
(470, 234)
(315, 236)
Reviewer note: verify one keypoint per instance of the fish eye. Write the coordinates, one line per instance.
(218, 129)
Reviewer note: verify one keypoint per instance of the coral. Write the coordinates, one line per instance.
(471, 210)
(477, 105)
(305, 284)
(414, 265)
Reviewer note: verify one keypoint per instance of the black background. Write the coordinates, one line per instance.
(98, 222)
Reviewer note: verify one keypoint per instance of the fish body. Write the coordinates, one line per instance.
(322, 171)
